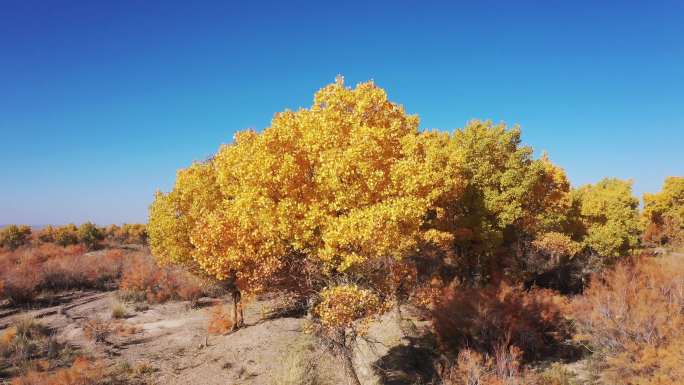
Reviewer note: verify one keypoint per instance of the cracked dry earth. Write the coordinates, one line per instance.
(171, 340)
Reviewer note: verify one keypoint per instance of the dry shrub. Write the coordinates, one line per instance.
(633, 317)
(122, 329)
(664, 231)
(118, 310)
(82, 372)
(143, 279)
(21, 284)
(98, 330)
(47, 267)
(83, 271)
(22, 342)
(503, 368)
(220, 322)
(482, 319)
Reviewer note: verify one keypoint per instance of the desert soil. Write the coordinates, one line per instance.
(171, 341)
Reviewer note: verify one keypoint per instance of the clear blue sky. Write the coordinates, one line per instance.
(101, 102)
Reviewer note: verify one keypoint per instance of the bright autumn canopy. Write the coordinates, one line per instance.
(344, 197)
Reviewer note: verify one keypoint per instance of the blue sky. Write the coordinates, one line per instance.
(101, 102)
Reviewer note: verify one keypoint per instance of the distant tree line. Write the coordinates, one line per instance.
(88, 234)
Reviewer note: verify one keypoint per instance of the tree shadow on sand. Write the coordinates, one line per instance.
(416, 362)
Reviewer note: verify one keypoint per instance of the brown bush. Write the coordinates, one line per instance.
(98, 330)
(664, 231)
(482, 319)
(633, 317)
(503, 368)
(220, 322)
(26, 272)
(82, 271)
(143, 279)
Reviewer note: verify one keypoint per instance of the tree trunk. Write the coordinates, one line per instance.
(238, 319)
(398, 317)
(352, 378)
(346, 351)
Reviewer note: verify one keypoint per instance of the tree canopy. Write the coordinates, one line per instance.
(609, 217)
(350, 198)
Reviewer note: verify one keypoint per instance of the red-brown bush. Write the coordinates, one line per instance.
(82, 372)
(220, 322)
(144, 279)
(482, 319)
(503, 368)
(633, 317)
(26, 272)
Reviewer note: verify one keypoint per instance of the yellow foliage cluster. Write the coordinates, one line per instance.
(341, 305)
(609, 216)
(342, 187)
(557, 244)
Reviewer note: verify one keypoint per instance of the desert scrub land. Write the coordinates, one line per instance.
(139, 325)
(111, 336)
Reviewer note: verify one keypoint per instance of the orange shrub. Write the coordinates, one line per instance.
(21, 282)
(27, 271)
(143, 279)
(482, 319)
(503, 368)
(633, 316)
(82, 372)
(220, 322)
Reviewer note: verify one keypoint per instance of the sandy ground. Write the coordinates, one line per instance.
(172, 342)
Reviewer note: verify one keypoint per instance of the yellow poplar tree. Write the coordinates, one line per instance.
(610, 219)
(509, 199)
(322, 202)
(664, 213)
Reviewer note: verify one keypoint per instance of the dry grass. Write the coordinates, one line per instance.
(118, 310)
(298, 367)
(27, 345)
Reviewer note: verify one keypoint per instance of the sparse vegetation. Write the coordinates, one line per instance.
(299, 365)
(82, 372)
